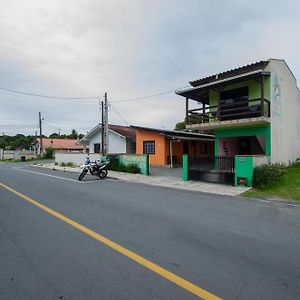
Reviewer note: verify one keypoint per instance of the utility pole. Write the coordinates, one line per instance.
(41, 139)
(106, 142)
(102, 127)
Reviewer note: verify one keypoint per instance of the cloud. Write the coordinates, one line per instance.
(130, 49)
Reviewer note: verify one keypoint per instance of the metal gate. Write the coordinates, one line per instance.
(218, 169)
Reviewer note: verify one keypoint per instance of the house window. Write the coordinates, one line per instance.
(97, 148)
(149, 147)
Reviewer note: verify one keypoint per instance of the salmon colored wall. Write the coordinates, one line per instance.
(162, 145)
(159, 158)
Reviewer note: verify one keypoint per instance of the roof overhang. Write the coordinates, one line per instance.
(183, 138)
(177, 134)
(86, 139)
(197, 93)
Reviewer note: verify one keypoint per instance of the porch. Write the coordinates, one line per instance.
(242, 99)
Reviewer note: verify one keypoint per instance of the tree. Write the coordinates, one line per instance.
(74, 134)
(180, 126)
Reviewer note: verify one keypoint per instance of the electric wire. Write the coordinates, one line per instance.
(120, 116)
(47, 96)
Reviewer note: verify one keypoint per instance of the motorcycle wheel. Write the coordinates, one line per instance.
(102, 173)
(82, 175)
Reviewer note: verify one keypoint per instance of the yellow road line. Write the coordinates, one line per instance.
(192, 288)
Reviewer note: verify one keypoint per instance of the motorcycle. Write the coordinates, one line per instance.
(95, 168)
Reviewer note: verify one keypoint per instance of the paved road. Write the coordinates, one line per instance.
(231, 247)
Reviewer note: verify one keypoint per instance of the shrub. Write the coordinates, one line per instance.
(267, 175)
(70, 164)
(63, 164)
(49, 153)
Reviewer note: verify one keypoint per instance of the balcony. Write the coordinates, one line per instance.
(230, 112)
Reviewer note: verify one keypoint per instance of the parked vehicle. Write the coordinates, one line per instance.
(97, 168)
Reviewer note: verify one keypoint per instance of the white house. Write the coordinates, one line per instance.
(121, 139)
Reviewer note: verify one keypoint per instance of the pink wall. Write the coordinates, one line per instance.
(228, 146)
(262, 142)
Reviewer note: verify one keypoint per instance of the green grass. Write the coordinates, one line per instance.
(287, 188)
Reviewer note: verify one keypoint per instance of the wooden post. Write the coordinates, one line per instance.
(41, 135)
(102, 128)
(262, 100)
(186, 111)
(218, 105)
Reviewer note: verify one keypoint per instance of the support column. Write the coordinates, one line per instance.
(186, 111)
(262, 100)
(185, 167)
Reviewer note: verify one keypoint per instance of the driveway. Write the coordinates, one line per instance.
(166, 172)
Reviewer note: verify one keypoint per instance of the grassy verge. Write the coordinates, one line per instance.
(288, 187)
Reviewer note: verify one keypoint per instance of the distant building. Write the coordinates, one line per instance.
(69, 145)
(121, 139)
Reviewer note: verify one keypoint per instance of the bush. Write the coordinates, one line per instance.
(70, 164)
(49, 153)
(267, 175)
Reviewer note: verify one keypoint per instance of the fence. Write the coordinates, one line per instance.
(223, 169)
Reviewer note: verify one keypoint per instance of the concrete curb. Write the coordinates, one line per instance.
(163, 181)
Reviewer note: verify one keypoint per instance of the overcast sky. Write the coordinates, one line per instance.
(129, 49)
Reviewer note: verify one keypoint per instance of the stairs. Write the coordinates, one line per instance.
(225, 149)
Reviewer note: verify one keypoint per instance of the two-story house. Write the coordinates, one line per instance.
(251, 110)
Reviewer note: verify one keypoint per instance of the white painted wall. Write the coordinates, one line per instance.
(76, 158)
(117, 143)
(285, 113)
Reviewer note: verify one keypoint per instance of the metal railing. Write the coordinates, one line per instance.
(229, 111)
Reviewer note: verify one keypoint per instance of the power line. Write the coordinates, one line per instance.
(120, 116)
(46, 96)
(146, 97)
(89, 98)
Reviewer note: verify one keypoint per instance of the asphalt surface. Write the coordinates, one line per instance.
(234, 248)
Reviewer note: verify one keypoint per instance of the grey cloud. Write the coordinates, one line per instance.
(131, 48)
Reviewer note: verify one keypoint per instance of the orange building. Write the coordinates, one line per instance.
(166, 147)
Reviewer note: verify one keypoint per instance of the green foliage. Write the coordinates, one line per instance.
(267, 175)
(18, 141)
(49, 153)
(288, 187)
(74, 134)
(115, 165)
(180, 126)
(67, 164)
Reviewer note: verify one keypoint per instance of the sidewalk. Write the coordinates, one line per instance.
(170, 182)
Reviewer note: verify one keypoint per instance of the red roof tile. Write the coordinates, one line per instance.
(60, 143)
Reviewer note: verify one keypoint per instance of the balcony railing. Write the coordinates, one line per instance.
(230, 111)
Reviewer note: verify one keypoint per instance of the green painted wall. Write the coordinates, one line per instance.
(254, 90)
(244, 131)
(243, 169)
(141, 160)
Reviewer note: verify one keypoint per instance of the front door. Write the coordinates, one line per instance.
(245, 146)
